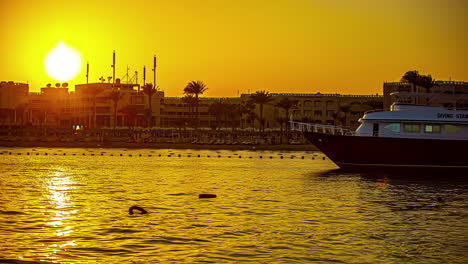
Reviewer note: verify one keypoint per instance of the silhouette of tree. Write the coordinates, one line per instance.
(93, 91)
(149, 90)
(417, 79)
(282, 121)
(180, 123)
(427, 82)
(286, 104)
(147, 116)
(195, 88)
(191, 101)
(248, 108)
(261, 98)
(115, 96)
(130, 112)
(411, 77)
(344, 110)
(217, 109)
(232, 115)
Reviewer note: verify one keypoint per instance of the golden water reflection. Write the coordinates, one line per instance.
(59, 185)
(74, 209)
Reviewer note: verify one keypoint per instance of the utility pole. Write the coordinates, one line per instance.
(154, 70)
(128, 81)
(87, 72)
(144, 75)
(113, 67)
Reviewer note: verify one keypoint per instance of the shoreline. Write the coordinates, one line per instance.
(131, 145)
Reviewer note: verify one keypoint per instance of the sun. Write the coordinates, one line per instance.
(62, 63)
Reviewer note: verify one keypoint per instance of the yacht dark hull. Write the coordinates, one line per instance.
(362, 153)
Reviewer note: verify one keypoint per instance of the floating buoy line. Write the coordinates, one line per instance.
(169, 155)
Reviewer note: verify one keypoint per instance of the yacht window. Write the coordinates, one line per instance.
(449, 129)
(431, 128)
(411, 128)
(393, 127)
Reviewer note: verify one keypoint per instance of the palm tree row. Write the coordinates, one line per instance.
(230, 114)
(261, 98)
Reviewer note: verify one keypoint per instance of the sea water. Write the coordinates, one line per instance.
(71, 206)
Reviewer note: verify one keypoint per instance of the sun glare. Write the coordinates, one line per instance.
(63, 62)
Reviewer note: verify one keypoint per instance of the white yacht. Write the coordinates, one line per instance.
(407, 136)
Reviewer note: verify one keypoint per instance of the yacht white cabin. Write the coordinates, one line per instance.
(415, 121)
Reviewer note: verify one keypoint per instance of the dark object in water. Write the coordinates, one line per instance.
(142, 211)
(206, 195)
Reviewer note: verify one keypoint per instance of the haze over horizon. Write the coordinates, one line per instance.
(293, 46)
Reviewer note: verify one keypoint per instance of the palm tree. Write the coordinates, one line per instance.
(231, 115)
(130, 112)
(115, 96)
(248, 107)
(281, 121)
(261, 98)
(345, 109)
(191, 101)
(93, 91)
(149, 90)
(286, 104)
(147, 116)
(417, 79)
(216, 109)
(412, 77)
(427, 82)
(195, 88)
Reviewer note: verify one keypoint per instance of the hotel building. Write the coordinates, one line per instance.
(458, 90)
(91, 106)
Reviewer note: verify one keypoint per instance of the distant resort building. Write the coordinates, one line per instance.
(91, 106)
(440, 93)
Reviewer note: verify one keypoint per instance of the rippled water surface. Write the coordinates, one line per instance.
(71, 206)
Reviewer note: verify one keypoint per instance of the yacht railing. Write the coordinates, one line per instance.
(319, 128)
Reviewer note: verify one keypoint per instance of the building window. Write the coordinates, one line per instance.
(317, 103)
(431, 128)
(393, 127)
(411, 128)
(318, 113)
(449, 129)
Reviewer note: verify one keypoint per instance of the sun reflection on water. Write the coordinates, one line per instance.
(59, 186)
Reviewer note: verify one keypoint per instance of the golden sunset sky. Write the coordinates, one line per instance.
(297, 46)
